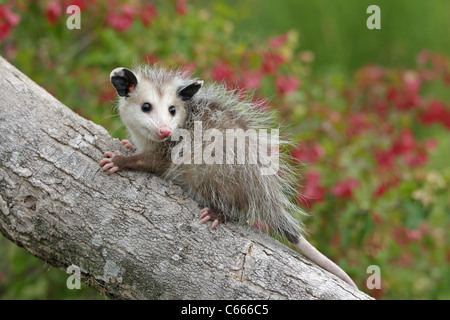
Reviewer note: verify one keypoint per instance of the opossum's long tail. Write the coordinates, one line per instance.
(317, 257)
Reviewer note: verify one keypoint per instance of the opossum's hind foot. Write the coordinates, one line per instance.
(128, 145)
(207, 214)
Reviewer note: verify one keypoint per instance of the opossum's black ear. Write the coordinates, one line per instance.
(123, 80)
(188, 91)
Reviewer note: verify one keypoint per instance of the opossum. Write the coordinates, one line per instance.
(159, 105)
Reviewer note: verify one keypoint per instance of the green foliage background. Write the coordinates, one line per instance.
(346, 102)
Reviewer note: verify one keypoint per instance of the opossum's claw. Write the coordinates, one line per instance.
(207, 214)
(107, 163)
(215, 224)
(128, 145)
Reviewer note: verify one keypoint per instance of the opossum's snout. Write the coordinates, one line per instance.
(164, 132)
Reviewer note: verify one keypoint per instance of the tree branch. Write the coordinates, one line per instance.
(132, 234)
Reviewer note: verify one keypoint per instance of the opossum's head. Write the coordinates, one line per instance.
(152, 104)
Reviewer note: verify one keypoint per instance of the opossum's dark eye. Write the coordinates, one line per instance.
(146, 107)
(172, 110)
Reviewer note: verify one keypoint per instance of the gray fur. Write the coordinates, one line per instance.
(237, 191)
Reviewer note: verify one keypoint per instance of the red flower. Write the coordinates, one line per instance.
(308, 154)
(385, 186)
(382, 188)
(434, 113)
(403, 235)
(53, 11)
(446, 77)
(222, 72)
(189, 68)
(148, 13)
(286, 85)
(344, 189)
(384, 158)
(82, 4)
(278, 41)
(358, 124)
(402, 99)
(404, 144)
(107, 95)
(181, 7)
(271, 62)
(251, 79)
(430, 144)
(377, 218)
(381, 108)
(150, 59)
(446, 120)
(423, 57)
(121, 21)
(312, 191)
(8, 20)
(370, 75)
(415, 159)
(406, 97)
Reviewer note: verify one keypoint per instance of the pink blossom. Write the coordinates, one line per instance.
(415, 159)
(279, 41)
(121, 17)
(344, 188)
(150, 59)
(308, 154)
(404, 236)
(423, 57)
(430, 144)
(384, 187)
(251, 79)
(434, 113)
(377, 218)
(222, 72)
(189, 68)
(404, 144)
(370, 75)
(446, 120)
(148, 13)
(406, 97)
(118, 21)
(271, 62)
(384, 158)
(358, 124)
(286, 85)
(82, 4)
(181, 7)
(8, 20)
(53, 11)
(312, 192)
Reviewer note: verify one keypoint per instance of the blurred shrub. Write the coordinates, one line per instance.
(374, 144)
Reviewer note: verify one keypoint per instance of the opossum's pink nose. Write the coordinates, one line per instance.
(164, 132)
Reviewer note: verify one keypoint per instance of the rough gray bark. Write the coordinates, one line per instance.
(132, 234)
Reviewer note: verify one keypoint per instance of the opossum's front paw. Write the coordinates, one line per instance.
(108, 162)
(207, 214)
(128, 145)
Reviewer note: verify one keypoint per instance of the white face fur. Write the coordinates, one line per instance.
(151, 111)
